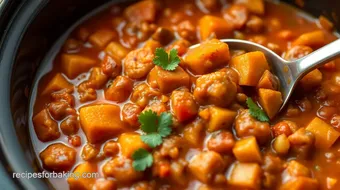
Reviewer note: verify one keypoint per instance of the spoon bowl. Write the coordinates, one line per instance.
(288, 72)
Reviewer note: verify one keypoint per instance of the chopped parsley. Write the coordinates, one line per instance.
(166, 61)
(156, 127)
(256, 111)
(142, 159)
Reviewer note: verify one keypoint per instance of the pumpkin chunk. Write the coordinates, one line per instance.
(218, 118)
(270, 100)
(168, 81)
(296, 169)
(194, 133)
(102, 37)
(268, 81)
(254, 6)
(325, 135)
(245, 176)
(311, 39)
(247, 150)
(301, 183)
(141, 11)
(101, 122)
(73, 65)
(250, 67)
(77, 181)
(208, 56)
(210, 25)
(130, 142)
(57, 83)
(116, 50)
(205, 165)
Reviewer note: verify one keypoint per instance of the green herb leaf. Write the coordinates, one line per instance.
(152, 139)
(167, 62)
(174, 59)
(142, 159)
(156, 127)
(165, 120)
(148, 120)
(256, 111)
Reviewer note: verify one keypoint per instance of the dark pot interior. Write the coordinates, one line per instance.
(32, 28)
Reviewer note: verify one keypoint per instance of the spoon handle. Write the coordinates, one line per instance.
(315, 59)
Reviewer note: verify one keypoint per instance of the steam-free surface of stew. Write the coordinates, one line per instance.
(127, 99)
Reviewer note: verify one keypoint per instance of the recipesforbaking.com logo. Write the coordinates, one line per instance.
(56, 175)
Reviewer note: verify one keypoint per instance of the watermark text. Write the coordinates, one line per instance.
(55, 175)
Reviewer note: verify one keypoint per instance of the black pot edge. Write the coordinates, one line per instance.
(12, 159)
(9, 143)
(14, 33)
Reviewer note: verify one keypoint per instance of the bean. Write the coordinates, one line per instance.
(281, 144)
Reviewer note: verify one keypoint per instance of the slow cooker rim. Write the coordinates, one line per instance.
(14, 156)
(25, 16)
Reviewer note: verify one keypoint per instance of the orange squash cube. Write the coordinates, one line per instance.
(143, 11)
(325, 135)
(101, 122)
(219, 118)
(247, 150)
(208, 56)
(210, 25)
(271, 101)
(102, 37)
(77, 181)
(250, 67)
(254, 6)
(205, 165)
(296, 169)
(301, 183)
(58, 82)
(311, 39)
(130, 142)
(268, 81)
(167, 81)
(245, 176)
(116, 50)
(73, 65)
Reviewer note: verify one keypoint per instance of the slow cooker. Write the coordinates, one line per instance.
(29, 28)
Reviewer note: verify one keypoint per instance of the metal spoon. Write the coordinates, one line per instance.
(288, 72)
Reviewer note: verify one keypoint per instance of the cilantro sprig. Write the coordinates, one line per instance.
(167, 61)
(155, 128)
(142, 159)
(256, 111)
